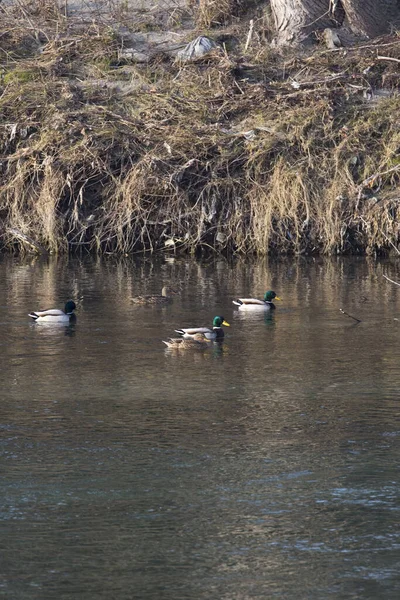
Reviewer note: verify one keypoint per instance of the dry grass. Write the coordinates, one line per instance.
(214, 13)
(221, 154)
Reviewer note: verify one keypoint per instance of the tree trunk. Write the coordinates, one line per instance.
(297, 20)
(370, 17)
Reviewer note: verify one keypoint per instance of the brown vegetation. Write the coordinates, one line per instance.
(250, 151)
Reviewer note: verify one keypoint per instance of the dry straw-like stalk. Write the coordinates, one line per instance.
(278, 155)
(214, 13)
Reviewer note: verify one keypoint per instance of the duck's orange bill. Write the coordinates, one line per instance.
(225, 323)
(277, 298)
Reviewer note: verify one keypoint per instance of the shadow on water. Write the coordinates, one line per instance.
(265, 466)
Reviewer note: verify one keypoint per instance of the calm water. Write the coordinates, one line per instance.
(268, 468)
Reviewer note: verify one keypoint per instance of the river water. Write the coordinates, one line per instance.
(267, 467)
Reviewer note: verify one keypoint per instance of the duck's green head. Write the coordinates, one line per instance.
(219, 321)
(69, 307)
(269, 296)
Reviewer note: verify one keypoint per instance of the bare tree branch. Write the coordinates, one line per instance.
(391, 280)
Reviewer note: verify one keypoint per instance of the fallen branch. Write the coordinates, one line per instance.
(34, 246)
(301, 84)
(391, 280)
(350, 316)
(388, 58)
(384, 235)
(371, 178)
(376, 44)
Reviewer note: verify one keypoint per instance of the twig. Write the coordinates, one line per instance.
(384, 235)
(249, 35)
(388, 58)
(317, 19)
(391, 280)
(320, 81)
(350, 316)
(350, 48)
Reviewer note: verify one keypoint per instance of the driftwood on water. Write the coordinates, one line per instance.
(350, 316)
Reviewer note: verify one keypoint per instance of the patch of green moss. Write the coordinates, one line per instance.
(19, 76)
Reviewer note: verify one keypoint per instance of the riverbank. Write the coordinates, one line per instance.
(249, 149)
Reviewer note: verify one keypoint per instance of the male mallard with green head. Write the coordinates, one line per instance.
(55, 315)
(198, 342)
(255, 304)
(216, 333)
(164, 298)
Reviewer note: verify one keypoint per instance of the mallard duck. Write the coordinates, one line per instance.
(255, 304)
(216, 333)
(198, 342)
(55, 315)
(165, 297)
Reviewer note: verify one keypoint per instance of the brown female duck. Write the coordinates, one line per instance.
(164, 298)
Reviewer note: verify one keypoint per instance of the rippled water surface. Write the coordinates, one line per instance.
(267, 467)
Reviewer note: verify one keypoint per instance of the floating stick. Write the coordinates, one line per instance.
(350, 316)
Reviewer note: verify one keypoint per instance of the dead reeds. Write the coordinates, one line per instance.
(290, 154)
(214, 13)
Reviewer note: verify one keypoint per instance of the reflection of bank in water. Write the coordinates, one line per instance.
(56, 329)
(213, 350)
(266, 316)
